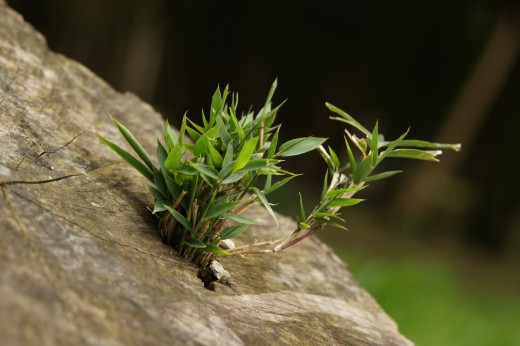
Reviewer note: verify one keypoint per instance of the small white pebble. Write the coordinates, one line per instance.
(227, 244)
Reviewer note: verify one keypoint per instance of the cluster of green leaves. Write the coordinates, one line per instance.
(208, 173)
(344, 179)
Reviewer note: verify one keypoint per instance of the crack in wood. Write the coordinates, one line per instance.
(36, 182)
(52, 151)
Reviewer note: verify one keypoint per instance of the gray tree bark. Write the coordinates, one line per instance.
(80, 260)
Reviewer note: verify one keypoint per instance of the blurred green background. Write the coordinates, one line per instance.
(437, 246)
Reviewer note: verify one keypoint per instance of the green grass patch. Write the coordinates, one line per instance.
(434, 306)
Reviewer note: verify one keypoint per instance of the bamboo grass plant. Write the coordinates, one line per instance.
(201, 185)
(208, 174)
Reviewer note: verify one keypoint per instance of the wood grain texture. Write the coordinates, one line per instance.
(80, 260)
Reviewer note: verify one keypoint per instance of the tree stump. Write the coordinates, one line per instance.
(80, 259)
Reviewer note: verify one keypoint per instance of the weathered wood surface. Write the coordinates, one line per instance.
(80, 261)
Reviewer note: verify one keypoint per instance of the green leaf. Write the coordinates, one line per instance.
(219, 209)
(160, 183)
(187, 170)
(228, 157)
(162, 154)
(232, 232)
(173, 188)
(302, 208)
(194, 242)
(154, 192)
(195, 136)
(415, 154)
(265, 203)
(427, 145)
(234, 177)
(300, 146)
(392, 145)
(173, 160)
(344, 202)
(325, 214)
(325, 186)
(303, 225)
(334, 158)
(179, 217)
(158, 206)
(135, 144)
(332, 224)
(170, 137)
(201, 146)
(255, 165)
(374, 145)
(273, 145)
(351, 159)
(279, 184)
(216, 250)
(206, 170)
(245, 153)
(347, 118)
(140, 167)
(212, 132)
(240, 219)
(226, 170)
(338, 192)
(362, 170)
(381, 175)
(215, 156)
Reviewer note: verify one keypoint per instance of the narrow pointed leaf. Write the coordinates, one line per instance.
(347, 118)
(138, 165)
(159, 206)
(265, 203)
(179, 217)
(173, 160)
(228, 157)
(206, 170)
(302, 209)
(300, 146)
(374, 145)
(234, 177)
(160, 183)
(162, 154)
(215, 156)
(240, 219)
(332, 224)
(219, 209)
(173, 188)
(381, 175)
(216, 250)
(338, 192)
(232, 232)
(138, 148)
(427, 145)
(351, 159)
(279, 184)
(344, 202)
(245, 154)
(363, 169)
(325, 187)
(154, 192)
(193, 242)
(415, 154)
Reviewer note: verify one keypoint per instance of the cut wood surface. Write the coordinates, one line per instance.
(80, 259)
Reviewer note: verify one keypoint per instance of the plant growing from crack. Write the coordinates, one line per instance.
(202, 185)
